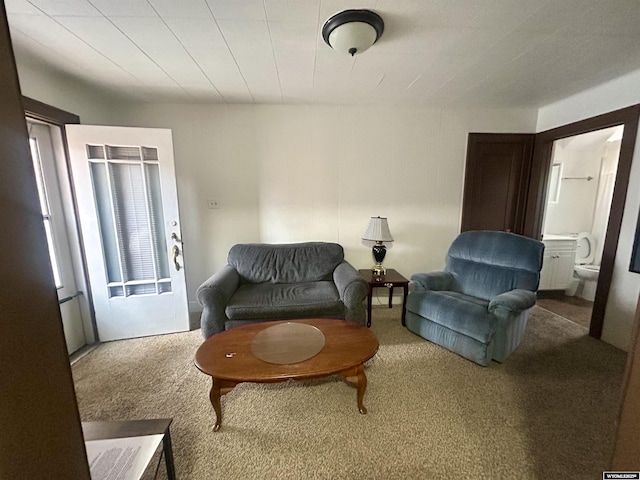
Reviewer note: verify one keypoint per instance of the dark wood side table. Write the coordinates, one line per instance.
(391, 279)
(101, 430)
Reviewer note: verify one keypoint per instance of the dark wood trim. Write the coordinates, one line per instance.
(41, 431)
(538, 192)
(634, 264)
(47, 113)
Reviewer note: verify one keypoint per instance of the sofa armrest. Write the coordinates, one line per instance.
(514, 301)
(436, 281)
(352, 289)
(213, 295)
(350, 284)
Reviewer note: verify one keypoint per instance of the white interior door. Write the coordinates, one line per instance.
(125, 186)
(54, 215)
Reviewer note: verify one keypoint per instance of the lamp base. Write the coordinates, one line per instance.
(378, 269)
(379, 251)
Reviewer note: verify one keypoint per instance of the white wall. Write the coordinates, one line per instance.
(300, 173)
(574, 210)
(625, 286)
(317, 173)
(63, 92)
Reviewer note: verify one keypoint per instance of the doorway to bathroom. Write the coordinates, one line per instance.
(581, 182)
(534, 184)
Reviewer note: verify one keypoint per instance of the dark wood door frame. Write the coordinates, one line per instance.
(539, 183)
(48, 114)
(41, 430)
(51, 115)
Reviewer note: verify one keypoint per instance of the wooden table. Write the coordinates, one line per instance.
(228, 359)
(101, 430)
(391, 279)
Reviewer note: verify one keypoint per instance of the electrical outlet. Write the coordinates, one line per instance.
(213, 203)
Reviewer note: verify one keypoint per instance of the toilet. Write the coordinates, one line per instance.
(584, 270)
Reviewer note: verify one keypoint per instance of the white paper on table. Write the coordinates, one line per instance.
(121, 458)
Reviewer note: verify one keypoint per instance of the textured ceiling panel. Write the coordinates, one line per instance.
(432, 53)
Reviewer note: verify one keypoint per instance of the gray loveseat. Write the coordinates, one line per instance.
(275, 282)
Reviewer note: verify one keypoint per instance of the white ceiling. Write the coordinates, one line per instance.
(453, 53)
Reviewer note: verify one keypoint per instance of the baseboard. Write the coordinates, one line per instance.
(77, 355)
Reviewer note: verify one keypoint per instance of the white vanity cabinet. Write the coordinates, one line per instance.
(558, 262)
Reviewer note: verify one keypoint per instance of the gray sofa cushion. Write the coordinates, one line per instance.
(284, 263)
(282, 300)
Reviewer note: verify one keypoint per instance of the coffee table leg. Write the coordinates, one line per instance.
(356, 377)
(214, 396)
(218, 389)
(362, 386)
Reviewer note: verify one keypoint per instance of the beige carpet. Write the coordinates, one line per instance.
(549, 412)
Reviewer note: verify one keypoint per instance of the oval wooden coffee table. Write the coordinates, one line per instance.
(228, 358)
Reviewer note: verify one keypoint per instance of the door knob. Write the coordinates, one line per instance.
(176, 251)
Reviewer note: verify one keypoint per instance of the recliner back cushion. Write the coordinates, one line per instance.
(488, 263)
(285, 263)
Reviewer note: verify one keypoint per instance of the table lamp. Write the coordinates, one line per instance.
(378, 231)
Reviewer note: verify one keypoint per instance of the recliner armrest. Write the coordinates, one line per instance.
(514, 301)
(213, 295)
(437, 281)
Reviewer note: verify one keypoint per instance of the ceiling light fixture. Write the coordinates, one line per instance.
(352, 31)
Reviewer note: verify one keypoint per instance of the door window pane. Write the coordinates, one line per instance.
(132, 221)
(106, 224)
(157, 219)
(126, 182)
(44, 207)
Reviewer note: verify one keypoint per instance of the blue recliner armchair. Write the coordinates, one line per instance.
(479, 305)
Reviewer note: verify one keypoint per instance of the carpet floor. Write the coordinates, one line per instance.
(548, 412)
(576, 309)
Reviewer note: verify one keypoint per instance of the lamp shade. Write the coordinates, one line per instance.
(378, 230)
(352, 31)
